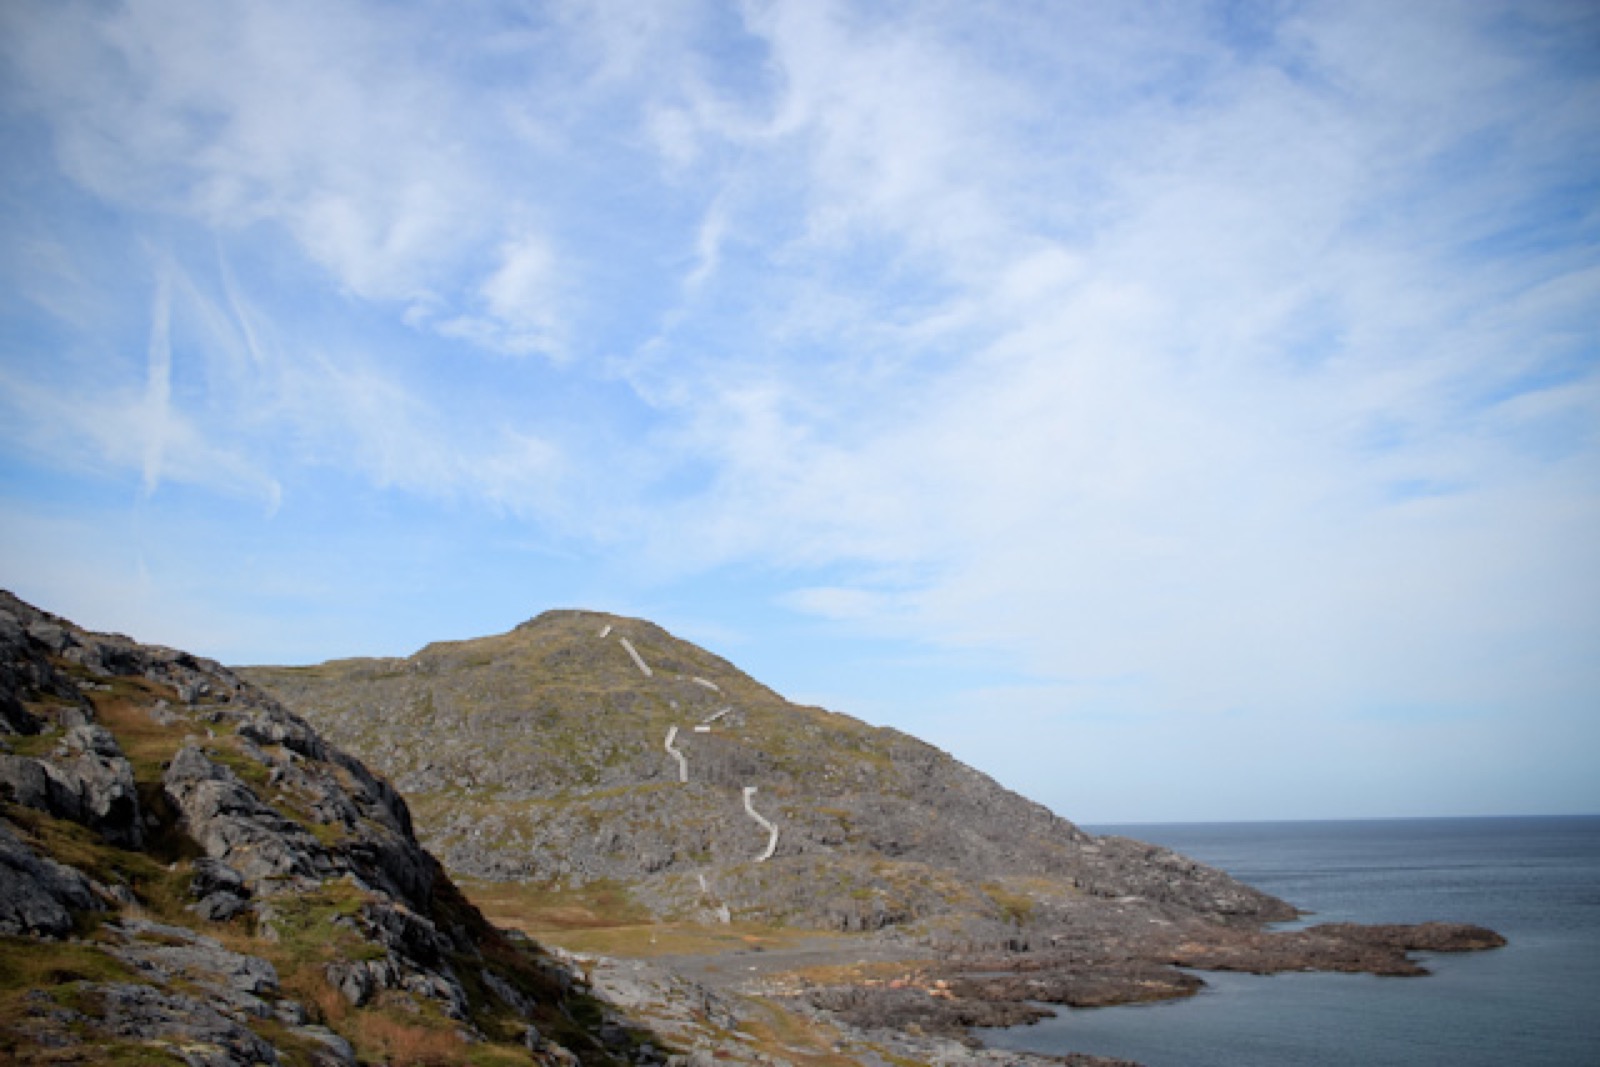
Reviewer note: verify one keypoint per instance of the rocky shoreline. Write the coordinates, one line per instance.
(890, 995)
(885, 1000)
(952, 996)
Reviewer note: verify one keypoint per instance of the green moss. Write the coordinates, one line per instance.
(136, 1054)
(305, 932)
(250, 770)
(36, 745)
(67, 973)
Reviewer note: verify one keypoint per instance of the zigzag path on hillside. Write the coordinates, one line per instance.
(191, 875)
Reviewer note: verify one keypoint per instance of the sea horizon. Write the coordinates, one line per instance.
(1099, 825)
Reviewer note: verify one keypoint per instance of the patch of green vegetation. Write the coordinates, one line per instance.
(1014, 907)
(147, 744)
(249, 770)
(35, 746)
(798, 1039)
(136, 1054)
(66, 972)
(305, 932)
(58, 970)
(529, 907)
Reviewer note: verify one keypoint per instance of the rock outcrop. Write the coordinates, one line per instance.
(37, 894)
(190, 874)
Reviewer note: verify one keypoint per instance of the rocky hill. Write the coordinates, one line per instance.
(591, 758)
(582, 748)
(190, 874)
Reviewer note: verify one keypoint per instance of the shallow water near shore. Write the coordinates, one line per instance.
(1535, 880)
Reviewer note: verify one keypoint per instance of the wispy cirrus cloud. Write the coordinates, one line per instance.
(344, 130)
(1207, 365)
(1240, 409)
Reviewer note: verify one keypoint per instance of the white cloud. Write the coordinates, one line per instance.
(341, 127)
(521, 300)
(1236, 373)
(1184, 442)
(157, 414)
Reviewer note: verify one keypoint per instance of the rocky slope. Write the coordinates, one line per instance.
(190, 874)
(583, 747)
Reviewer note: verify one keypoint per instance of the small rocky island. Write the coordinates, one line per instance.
(197, 866)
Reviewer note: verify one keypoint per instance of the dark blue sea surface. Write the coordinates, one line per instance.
(1534, 1003)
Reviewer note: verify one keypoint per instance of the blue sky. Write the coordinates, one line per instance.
(1177, 410)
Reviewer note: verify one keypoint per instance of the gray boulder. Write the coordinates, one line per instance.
(38, 895)
(25, 670)
(239, 984)
(223, 815)
(204, 1036)
(219, 891)
(86, 780)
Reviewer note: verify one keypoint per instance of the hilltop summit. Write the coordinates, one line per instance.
(597, 766)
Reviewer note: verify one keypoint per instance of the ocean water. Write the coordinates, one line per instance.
(1534, 1003)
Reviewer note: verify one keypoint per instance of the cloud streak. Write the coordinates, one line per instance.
(158, 385)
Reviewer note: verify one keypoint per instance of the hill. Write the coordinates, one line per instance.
(190, 874)
(584, 750)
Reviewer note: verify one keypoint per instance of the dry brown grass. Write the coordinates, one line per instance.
(406, 1044)
(125, 712)
(670, 939)
(326, 1004)
(532, 908)
(794, 1038)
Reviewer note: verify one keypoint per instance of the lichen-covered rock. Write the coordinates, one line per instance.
(25, 670)
(191, 1025)
(236, 811)
(236, 816)
(218, 890)
(236, 983)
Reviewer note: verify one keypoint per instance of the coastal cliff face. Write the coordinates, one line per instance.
(583, 748)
